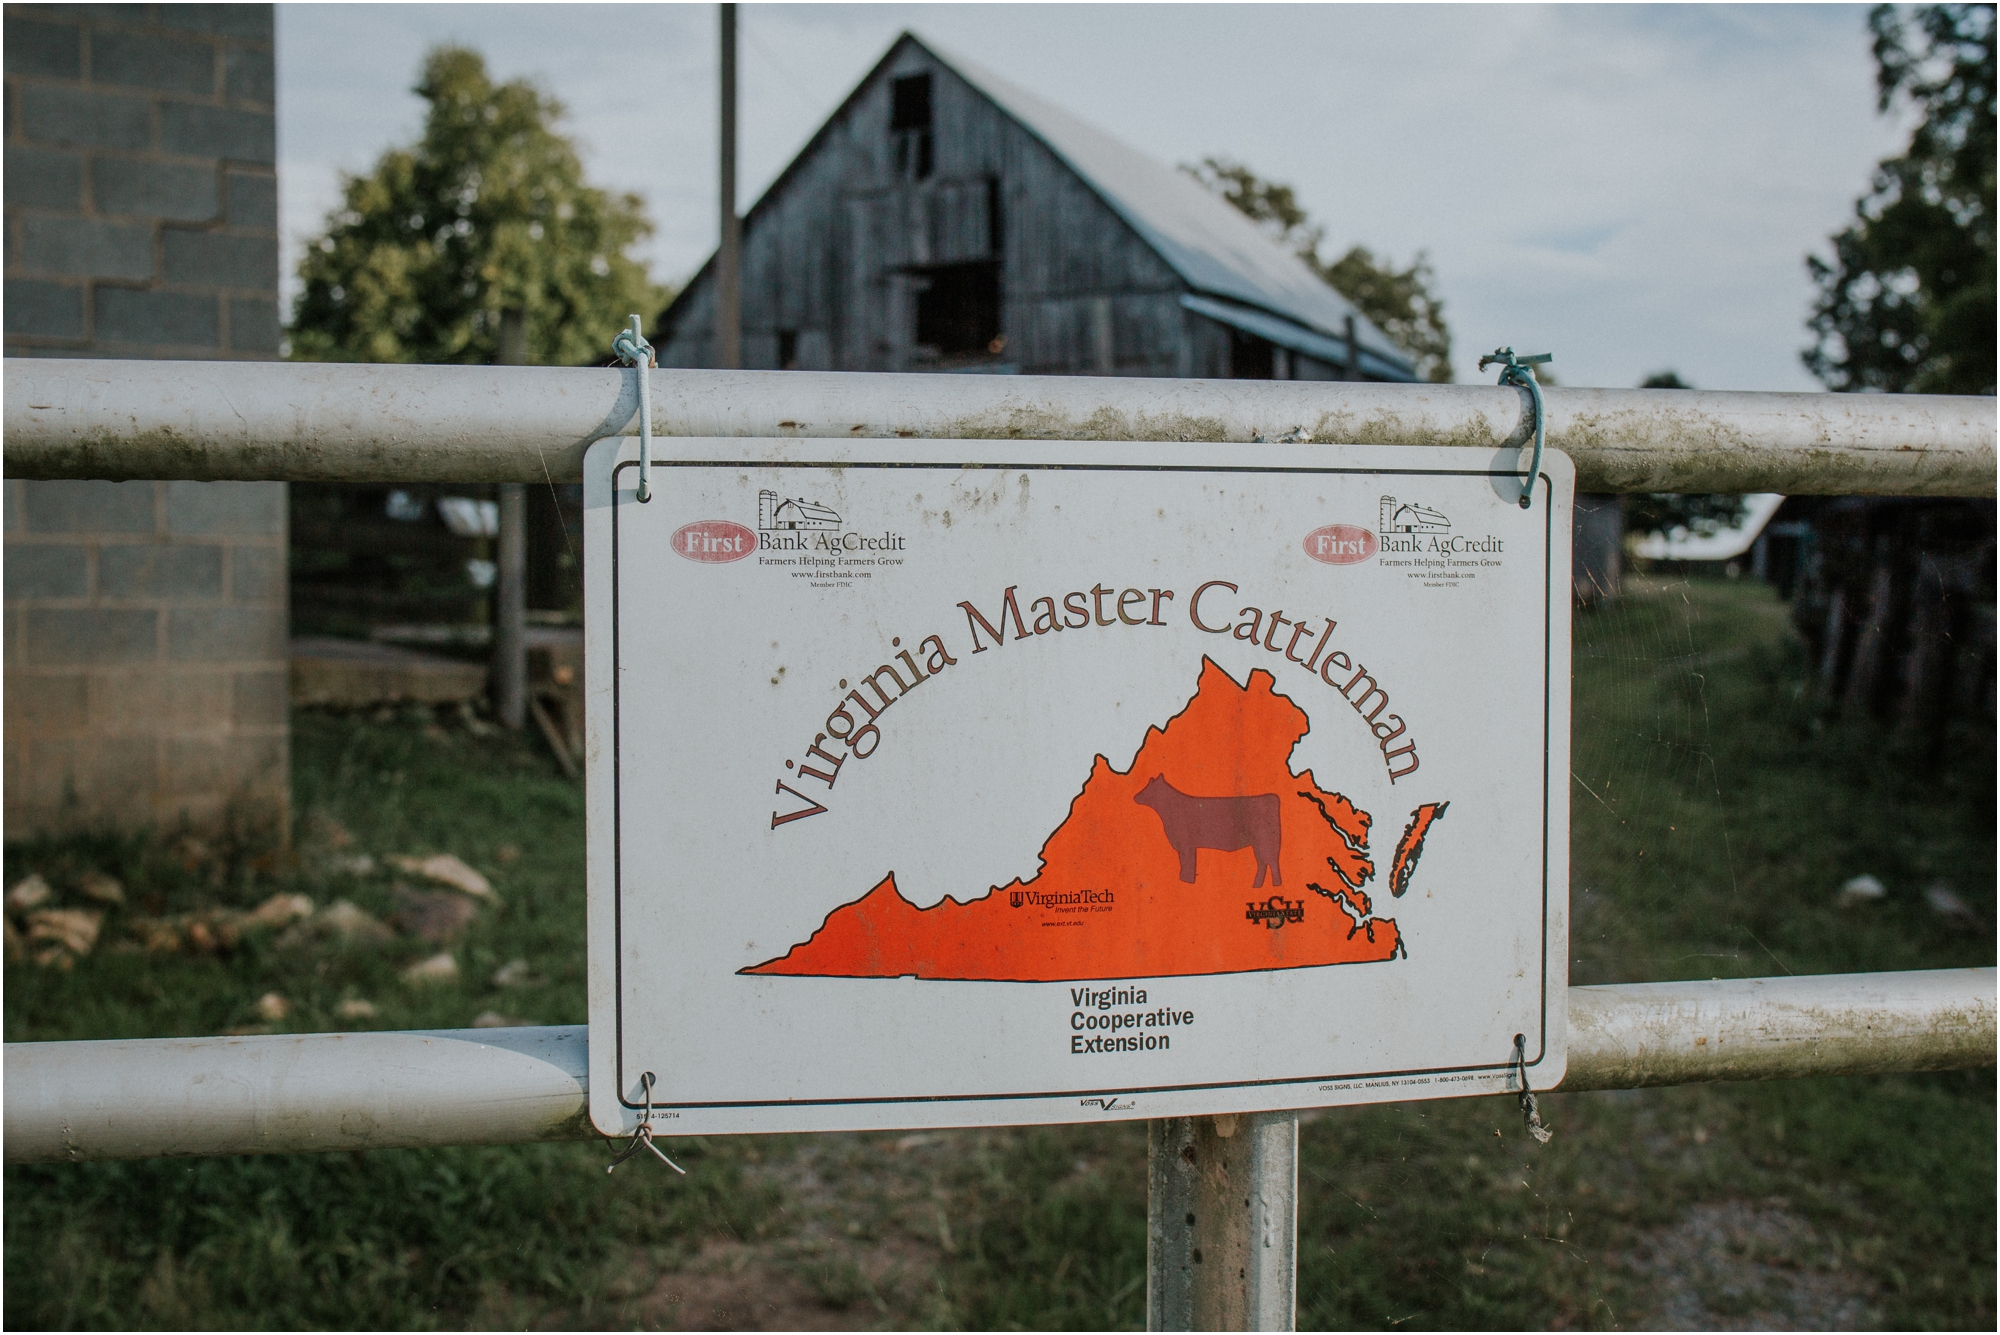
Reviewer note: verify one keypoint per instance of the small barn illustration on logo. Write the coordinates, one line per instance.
(774, 512)
(1409, 517)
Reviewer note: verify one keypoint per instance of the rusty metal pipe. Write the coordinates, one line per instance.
(303, 421)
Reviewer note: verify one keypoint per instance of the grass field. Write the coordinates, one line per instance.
(1714, 822)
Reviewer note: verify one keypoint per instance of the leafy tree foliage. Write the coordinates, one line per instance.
(1663, 512)
(1907, 301)
(1402, 303)
(487, 212)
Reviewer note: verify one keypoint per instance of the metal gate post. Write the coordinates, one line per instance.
(510, 621)
(1222, 1222)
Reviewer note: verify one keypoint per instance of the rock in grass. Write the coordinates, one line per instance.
(273, 1007)
(440, 968)
(514, 973)
(349, 864)
(157, 934)
(1863, 889)
(435, 916)
(495, 1020)
(354, 1008)
(445, 870)
(279, 910)
(27, 893)
(341, 921)
(75, 930)
(1944, 901)
(103, 888)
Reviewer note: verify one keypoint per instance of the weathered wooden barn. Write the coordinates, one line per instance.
(945, 220)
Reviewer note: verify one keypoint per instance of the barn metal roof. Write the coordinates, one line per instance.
(1204, 239)
(1288, 334)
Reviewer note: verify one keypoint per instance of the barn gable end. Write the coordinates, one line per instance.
(931, 225)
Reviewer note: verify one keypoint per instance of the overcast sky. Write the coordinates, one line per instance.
(1630, 187)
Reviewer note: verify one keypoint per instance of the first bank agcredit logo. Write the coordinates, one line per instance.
(1340, 544)
(714, 542)
(805, 539)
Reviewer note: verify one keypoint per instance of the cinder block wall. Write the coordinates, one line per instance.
(145, 621)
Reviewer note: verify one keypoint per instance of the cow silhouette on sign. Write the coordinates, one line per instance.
(1224, 824)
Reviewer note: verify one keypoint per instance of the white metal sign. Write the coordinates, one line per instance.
(945, 783)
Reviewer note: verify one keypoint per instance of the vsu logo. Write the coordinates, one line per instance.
(1340, 544)
(714, 541)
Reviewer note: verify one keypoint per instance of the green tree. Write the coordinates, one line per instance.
(488, 212)
(1402, 303)
(1663, 512)
(1907, 301)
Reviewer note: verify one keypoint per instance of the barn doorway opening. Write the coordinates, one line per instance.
(958, 309)
(1252, 358)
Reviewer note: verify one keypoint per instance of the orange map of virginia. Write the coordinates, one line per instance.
(1207, 856)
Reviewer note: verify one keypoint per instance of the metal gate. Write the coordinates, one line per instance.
(1237, 1176)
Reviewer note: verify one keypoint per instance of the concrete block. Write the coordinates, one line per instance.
(47, 570)
(355, 672)
(150, 60)
(41, 178)
(263, 700)
(158, 570)
(44, 50)
(220, 765)
(217, 259)
(129, 15)
(246, 136)
(51, 705)
(209, 509)
(86, 118)
(87, 637)
(249, 76)
(172, 191)
(44, 310)
(90, 778)
(253, 201)
(225, 634)
(128, 316)
(160, 702)
(257, 574)
(250, 23)
(253, 325)
(85, 248)
(86, 507)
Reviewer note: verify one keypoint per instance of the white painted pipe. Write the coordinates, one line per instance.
(308, 421)
(138, 1098)
(284, 1093)
(1644, 1034)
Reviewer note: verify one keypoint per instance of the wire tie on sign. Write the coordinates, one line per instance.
(643, 1137)
(1520, 371)
(633, 350)
(1529, 1113)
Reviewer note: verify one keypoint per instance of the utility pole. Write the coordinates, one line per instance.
(510, 621)
(728, 259)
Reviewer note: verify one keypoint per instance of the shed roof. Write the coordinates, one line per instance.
(1211, 245)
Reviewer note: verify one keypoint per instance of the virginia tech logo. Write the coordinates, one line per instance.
(1409, 517)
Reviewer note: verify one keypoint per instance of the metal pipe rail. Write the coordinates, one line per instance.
(274, 1094)
(303, 421)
